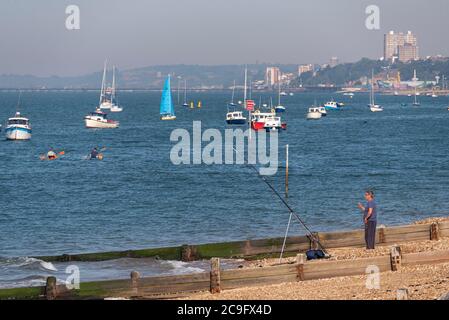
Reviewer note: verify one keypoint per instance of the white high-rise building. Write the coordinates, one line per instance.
(272, 76)
(400, 45)
(304, 68)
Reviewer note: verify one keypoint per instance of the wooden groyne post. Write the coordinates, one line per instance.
(300, 260)
(434, 231)
(381, 230)
(395, 258)
(135, 276)
(215, 278)
(51, 289)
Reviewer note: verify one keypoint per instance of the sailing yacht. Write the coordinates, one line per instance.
(415, 79)
(115, 106)
(167, 109)
(106, 93)
(416, 103)
(234, 117)
(434, 95)
(279, 108)
(232, 104)
(372, 105)
(185, 104)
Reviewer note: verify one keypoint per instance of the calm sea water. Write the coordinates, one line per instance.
(136, 198)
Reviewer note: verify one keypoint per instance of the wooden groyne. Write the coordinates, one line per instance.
(255, 249)
(217, 279)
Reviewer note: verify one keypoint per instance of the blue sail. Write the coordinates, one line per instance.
(167, 107)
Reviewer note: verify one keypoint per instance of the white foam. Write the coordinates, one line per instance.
(180, 267)
(26, 261)
(48, 266)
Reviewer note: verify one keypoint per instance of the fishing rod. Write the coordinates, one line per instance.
(290, 209)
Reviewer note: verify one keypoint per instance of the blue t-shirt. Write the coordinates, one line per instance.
(371, 204)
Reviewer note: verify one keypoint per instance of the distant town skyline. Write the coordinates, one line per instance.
(139, 33)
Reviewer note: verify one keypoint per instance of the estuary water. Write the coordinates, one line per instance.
(136, 198)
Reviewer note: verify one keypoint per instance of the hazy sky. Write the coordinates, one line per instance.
(135, 33)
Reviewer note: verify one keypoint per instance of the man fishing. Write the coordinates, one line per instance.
(370, 219)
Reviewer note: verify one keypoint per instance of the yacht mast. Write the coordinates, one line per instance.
(103, 81)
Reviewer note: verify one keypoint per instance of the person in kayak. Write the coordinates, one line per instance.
(51, 155)
(94, 153)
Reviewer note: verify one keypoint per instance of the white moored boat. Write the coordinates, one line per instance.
(18, 128)
(372, 104)
(116, 108)
(106, 93)
(314, 114)
(235, 118)
(258, 119)
(106, 105)
(273, 123)
(115, 105)
(332, 105)
(280, 108)
(323, 111)
(376, 108)
(99, 120)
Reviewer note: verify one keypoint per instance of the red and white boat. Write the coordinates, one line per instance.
(266, 121)
(273, 123)
(258, 119)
